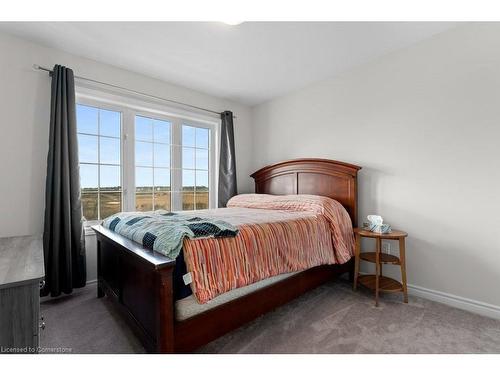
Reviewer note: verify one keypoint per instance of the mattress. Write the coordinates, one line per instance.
(188, 307)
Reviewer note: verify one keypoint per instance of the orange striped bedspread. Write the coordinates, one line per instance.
(277, 234)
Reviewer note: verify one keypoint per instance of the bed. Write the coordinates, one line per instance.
(141, 283)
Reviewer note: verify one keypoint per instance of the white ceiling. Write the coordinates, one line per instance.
(249, 63)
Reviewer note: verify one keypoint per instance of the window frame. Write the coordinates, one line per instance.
(210, 165)
(98, 163)
(132, 106)
(134, 166)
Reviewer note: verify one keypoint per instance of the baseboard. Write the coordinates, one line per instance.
(467, 304)
(90, 282)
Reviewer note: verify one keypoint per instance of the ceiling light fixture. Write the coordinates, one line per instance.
(233, 23)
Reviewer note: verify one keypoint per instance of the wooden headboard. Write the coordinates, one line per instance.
(324, 177)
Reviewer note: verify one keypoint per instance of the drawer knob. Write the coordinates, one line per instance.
(42, 325)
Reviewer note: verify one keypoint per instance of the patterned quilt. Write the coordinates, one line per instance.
(165, 231)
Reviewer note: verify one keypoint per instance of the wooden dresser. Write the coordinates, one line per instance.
(21, 275)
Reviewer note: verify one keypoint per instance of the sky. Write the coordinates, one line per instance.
(152, 150)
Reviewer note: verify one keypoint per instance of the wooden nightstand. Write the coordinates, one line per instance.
(377, 282)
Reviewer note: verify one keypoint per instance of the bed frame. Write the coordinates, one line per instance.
(140, 280)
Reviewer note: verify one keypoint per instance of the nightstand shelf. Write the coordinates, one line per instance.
(377, 282)
(384, 258)
(386, 284)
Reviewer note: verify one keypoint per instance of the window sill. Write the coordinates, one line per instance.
(87, 227)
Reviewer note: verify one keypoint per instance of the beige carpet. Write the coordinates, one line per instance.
(329, 319)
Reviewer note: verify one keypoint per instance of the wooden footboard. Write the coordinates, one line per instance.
(140, 282)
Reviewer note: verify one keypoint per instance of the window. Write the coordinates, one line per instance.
(195, 166)
(99, 145)
(152, 164)
(136, 158)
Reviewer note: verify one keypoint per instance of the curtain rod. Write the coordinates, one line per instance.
(38, 67)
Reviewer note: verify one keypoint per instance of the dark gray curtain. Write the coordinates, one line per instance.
(63, 235)
(227, 166)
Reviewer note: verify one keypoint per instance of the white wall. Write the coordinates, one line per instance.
(424, 123)
(25, 107)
